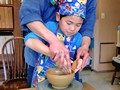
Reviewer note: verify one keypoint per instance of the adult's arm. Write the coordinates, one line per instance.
(38, 46)
(31, 16)
(87, 30)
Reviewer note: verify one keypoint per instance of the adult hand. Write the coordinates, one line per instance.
(60, 54)
(83, 54)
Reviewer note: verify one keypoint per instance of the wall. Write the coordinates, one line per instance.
(108, 18)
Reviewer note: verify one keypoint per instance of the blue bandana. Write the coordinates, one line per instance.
(71, 7)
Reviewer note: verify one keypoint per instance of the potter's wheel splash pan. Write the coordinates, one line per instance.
(45, 85)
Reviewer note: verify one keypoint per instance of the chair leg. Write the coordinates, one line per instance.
(113, 77)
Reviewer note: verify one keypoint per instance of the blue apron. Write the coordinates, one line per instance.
(44, 62)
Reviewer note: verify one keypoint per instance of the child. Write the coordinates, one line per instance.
(70, 18)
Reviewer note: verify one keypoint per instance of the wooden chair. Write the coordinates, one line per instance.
(14, 66)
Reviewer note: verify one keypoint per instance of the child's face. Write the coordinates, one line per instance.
(70, 25)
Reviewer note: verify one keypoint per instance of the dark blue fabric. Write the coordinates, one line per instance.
(88, 24)
(29, 75)
(30, 56)
(36, 10)
(77, 77)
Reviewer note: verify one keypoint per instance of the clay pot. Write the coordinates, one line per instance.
(58, 79)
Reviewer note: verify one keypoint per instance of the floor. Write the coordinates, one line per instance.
(100, 80)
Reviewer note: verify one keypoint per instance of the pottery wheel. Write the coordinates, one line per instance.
(45, 85)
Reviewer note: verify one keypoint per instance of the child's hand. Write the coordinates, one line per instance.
(77, 65)
(65, 68)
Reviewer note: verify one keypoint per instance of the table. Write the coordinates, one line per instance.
(85, 85)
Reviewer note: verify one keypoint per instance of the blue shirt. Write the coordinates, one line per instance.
(43, 10)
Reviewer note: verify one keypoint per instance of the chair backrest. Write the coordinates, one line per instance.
(14, 65)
